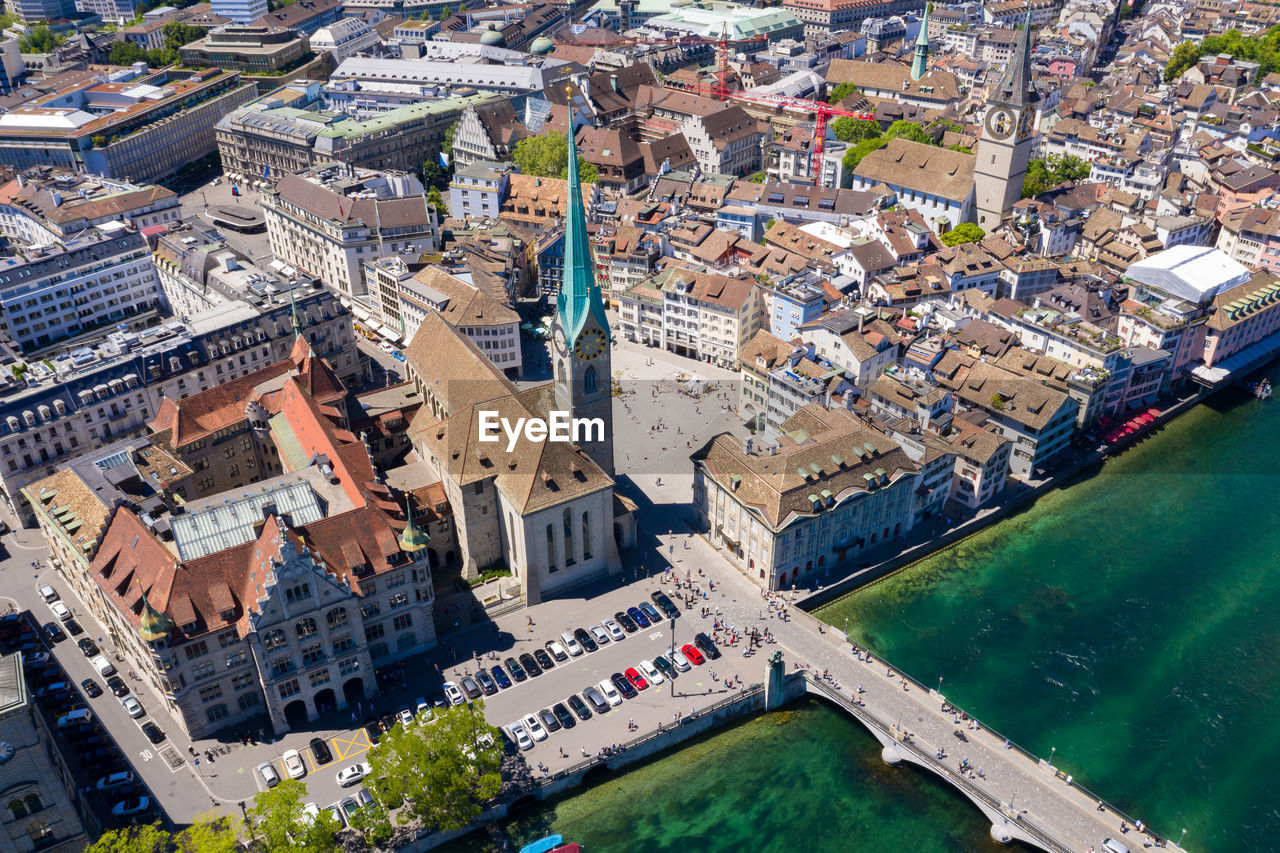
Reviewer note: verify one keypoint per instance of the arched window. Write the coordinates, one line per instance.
(18, 807)
(568, 537)
(586, 536)
(306, 628)
(589, 380)
(274, 638)
(33, 802)
(551, 548)
(337, 616)
(560, 372)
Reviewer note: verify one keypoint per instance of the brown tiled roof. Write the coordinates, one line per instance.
(925, 168)
(206, 412)
(468, 306)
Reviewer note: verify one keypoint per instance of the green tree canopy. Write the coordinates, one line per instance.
(909, 130)
(208, 833)
(840, 92)
(278, 821)
(126, 53)
(548, 156)
(41, 39)
(144, 838)
(436, 200)
(1045, 175)
(1264, 50)
(758, 178)
(443, 771)
(855, 154)
(373, 822)
(965, 232)
(176, 34)
(1184, 56)
(854, 130)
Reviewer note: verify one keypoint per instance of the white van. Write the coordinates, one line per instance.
(48, 593)
(103, 666)
(75, 718)
(1110, 845)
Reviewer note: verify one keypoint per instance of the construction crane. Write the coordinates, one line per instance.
(721, 90)
(821, 111)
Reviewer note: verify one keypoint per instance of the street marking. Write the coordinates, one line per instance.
(357, 744)
(656, 635)
(146, 755)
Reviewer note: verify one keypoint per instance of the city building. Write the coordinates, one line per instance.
(328, 220)
(938, 183)
(36, 11)
(487, 132)
(856, 340)
(710, 19)
(240, 11)
(825, 17)
(247, 47)
(1251, 235)
(344, 38)
(492, 325)
(305, 16)
(122, 124)
(149, 34)
(694, 313)
(477, 190)
(1008, 135)
(824, 491)
(44, 205)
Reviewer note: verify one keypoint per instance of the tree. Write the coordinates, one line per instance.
(548, 156)
(758, 178)
(176, 34)
(279, 823)
(1184, 56)
(855, 154)
(373, 822)
(449, 133)
(436, 176)
(161, 56)
(854, 130)
(145, 838)
(443, 771)
(840, 92)
(41, 39)
(965, 232)
(126, 53)
(209, 833)
(436, 200)
(445, 13)
(909, 130)
(1045, 175)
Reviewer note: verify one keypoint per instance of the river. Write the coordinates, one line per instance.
(1130, 623)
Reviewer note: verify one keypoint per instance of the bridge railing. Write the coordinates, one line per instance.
(1042, 837)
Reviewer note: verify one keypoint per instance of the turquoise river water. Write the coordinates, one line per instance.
(1130, 621)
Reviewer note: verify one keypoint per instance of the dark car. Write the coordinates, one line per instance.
(117, 686)
(471, 688)
(549, 721)
(628, 624)
(89, 647)
(585, 640)
(91, 688)
(388, 721)
(500, 676)
(530, 665)
(153, 732)
(54, 633)
(640, 618)
(516, 670)
(652, 612)
(562, 714)
(709, 649)
(486, 683)
(624, 686)
(73, 627)
(508, 745)
(579, 707)
(88, 741)
(666, 605)
(556, 650)
(320, 750)
(373, 731)
(543, 659)
(665, 667)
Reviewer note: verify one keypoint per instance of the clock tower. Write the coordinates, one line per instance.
(580, 337)
(1004, 149)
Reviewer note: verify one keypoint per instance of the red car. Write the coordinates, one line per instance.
(637, 680)
(691, 652)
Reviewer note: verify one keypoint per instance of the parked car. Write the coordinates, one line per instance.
(692, 654)
(651, 672)
(640, 618)
(154, 733)
(536, 731)
(338, 817)
(637, 680)
(102, 665)
(544, 660)
(571, 644)
(348, 776)
(453, 694)
(293, 764)
(520, 736)
(91, 688)
(584, 639)
(708, 648)
(60, 610)
(530, 665)
(422, 706)
(600, 635)
(117, 686)
(516, 670)
(596, 699)
(132, 706)
(579, 707)
(130, 807)
(628, 624)
(320, 752)
(486, 682)
(34, 658)
(664, 666)
(623, 685)
(548, 720)
(557, 651)
(114, 781)
(500, 675)
(54, 632)
(679, 661)
(405, 716)
(610, 693)
(89, 647)
(73, 627)
(565, 719)
(74, 719)
(650, 611)
(48, 593)
(471, 688)
(614, 629)
(665, 604)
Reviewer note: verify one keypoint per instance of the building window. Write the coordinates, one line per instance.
(320, 676)
(343, 643)
(208, 694)
(395, 579)
(249, 700)
(567, 517)
(551, 548)
(586, 536)
(404, 620)
(337, 616)
(399, 599)
(202, 670)
(589, 380)
(374, 632)
(236, 658)
(216, 712)
(274, 639)
(373, 608)
(312, 654)
(241, 681)
(378, 650)
(306, 628)
(195, 650)
(348, 666)
(290, 688)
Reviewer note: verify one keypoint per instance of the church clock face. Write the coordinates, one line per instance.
(1000, 123)
(590, 345)
(1025, 124)
(558, 340)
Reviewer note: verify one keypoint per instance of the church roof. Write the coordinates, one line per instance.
(579, 295)
(1014, 87)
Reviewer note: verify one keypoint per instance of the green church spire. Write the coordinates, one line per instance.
(579, 296)
(920, 62)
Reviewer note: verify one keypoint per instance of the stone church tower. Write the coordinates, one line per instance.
(1005, 146)
(580, 331)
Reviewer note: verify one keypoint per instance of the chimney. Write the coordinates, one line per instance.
(862, 318)
(747, 447)
(613, 82)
